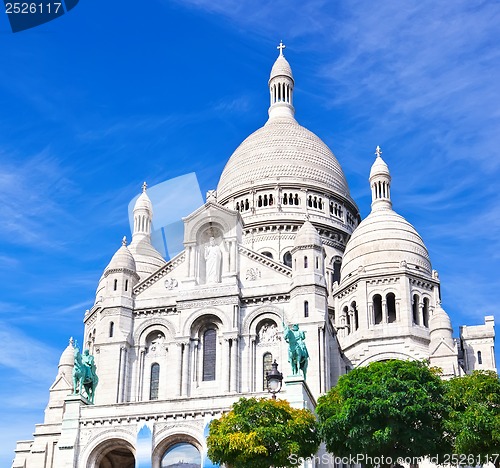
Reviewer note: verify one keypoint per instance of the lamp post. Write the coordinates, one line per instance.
(274, 379)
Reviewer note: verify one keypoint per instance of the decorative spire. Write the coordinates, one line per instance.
(281, 87)
(72, 342)
(380, 183)
(124, 241)
(281, 47)
(144, 187)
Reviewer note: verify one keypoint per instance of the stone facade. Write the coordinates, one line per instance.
(280, 242)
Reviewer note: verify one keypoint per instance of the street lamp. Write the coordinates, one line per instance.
(274, 379)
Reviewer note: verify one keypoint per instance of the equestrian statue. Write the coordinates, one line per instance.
(84, 374)
(297, 350)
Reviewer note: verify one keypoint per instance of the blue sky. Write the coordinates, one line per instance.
(117, 92)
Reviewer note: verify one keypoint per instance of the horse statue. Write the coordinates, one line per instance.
(84, 374)
(297, 351)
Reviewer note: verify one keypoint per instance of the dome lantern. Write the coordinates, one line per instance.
(281, 87)
(380, 183)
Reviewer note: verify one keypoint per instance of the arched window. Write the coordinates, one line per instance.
(271, 200)
(479, 357)
(267, 254)
(391, 307)
(259, 203)
(305, 262)
(111, 329)
(425, 317)
(348, 319)
(126, 285)
(287, 259)
(377, 309)
(355, 315)
(267, 361)
(285, 199)
(415, 305)
(296, 199)
(209, 354)
(306, 309)
(155, 381)
(115, 285)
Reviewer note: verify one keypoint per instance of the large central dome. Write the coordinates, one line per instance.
(282, 150)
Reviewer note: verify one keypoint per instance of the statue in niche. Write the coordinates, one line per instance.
(269, 333)
(158, 345)
(213, 256)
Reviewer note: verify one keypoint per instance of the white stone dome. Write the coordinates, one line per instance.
(147, 259)
(68, 355)
(122, 260)
(281, 151)
(384, 240)
(307, 235)
(281, 68)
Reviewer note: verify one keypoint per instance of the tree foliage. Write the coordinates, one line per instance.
(474, 416)
(260, 433)
(388, 409)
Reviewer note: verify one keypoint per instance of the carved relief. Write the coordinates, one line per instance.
(253, 274)
(268, 333)
(171, 283)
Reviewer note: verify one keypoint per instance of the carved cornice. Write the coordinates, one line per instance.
(279, 267)
(165, 270)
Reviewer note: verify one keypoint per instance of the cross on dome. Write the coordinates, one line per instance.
(378, 151)
(124, 241)
(281, 47)
(144, 186)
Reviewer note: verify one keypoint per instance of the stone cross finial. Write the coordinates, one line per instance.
(378, 151)
(281, 47)
(124, 241)
(144, 186)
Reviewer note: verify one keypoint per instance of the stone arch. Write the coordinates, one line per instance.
(251, 321)
(386, 356)
(114, 443)
(190, 322)
(145, 328)
(169, 436)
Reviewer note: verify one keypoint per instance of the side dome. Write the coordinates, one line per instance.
(381, 242)
(284, 151)
(307, 235)
(122, 260)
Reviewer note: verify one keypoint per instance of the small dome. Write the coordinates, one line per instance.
(281, 151)
(143, 202)
(307, 235)
(122, 260)
(68, 355)
(440, 320)
(379, 167)
(281, 68)
(147, 259)
(381, 242)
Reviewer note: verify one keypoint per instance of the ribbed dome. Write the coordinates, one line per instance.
(147, 259)
(143, 202)
(307, 235)
(281, 68)
(122, 259)
(381, 242)
(379, 167)
(281, 150)
(68, 355)
(440, 320)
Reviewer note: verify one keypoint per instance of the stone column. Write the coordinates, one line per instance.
(385, 313)
(234, 365)
(226, 362)
(178, 374)
(185, 368)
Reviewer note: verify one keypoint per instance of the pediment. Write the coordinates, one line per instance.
(442, 349)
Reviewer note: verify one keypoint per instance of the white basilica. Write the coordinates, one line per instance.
(281, 240)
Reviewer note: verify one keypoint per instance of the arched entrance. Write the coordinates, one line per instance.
(114, 453)
(181, 454)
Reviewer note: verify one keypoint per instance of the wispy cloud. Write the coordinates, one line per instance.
(25, 355)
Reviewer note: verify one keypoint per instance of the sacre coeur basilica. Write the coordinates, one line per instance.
(280, 242)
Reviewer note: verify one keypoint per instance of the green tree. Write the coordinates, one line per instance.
(386, 410)
(474, 417)
(260, 433)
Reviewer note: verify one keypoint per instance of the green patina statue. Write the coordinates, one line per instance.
(84, 374)
(297, 350)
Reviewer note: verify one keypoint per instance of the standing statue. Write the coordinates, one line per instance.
(84, 374)
(297, 350)
(213, 256)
